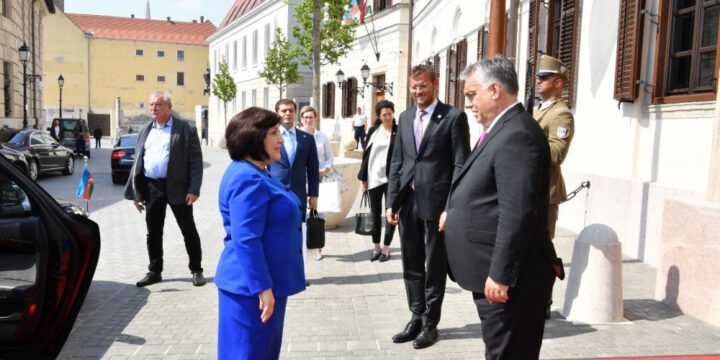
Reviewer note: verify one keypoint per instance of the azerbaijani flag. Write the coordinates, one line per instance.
(85, 187)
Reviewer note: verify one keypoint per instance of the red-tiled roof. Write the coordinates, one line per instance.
(239, 8)
(125, 28)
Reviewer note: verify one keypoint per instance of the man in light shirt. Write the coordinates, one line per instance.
(167, 171)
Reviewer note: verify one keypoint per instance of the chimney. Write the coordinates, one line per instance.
(202, 19)
(132, 16)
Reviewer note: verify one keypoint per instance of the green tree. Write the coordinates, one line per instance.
(321, 36)
(224, 86)
(281, 67)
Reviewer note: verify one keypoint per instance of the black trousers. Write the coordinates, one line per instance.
(97, 143)
(360, 136)
(156, 203)
(80, 145)
(376, 196)
(514, 330)
(424, 264)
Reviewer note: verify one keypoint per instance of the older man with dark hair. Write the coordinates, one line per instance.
(496, 216)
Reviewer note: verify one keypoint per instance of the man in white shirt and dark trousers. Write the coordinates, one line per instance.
(359, 122)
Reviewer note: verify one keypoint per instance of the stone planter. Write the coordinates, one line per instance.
(348, 168)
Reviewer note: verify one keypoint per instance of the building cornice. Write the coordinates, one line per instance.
(229, 28)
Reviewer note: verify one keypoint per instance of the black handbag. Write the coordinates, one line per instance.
(364, 221)
(315, 231)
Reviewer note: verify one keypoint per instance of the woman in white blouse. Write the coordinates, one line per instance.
(308, 118)
(374, 173)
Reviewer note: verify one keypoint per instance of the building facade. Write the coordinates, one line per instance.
(643, 90)
(22, 22)
(242, 40)
(112, 64)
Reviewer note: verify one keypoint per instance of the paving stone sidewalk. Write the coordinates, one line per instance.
(350, 311)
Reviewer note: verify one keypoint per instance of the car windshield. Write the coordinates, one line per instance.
(18, 138)
(127, 141)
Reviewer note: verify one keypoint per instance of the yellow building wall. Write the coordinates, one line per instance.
(66, 53)
(114, 67)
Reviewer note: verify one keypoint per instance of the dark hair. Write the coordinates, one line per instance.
(495, 69)
(245, 134)
(285, 102)
(422, 68)
(384, 104)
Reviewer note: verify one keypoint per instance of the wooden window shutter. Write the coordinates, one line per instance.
(353, 96)
(344, 100)
(436, 64)
(532, 55)
(450, 81)
(331, 92)
(325, 101)
(482, 42)
(461, 63)
(568, 46)
(627, 62)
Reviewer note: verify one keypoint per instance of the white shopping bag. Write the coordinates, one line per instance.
(329, 197)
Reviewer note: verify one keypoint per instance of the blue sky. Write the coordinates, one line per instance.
(180, 10)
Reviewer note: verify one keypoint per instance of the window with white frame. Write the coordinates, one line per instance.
(181, 55)
(244, 52)
(266, 97)
(268, 40)
(255, 48)
(234, 56)
(253, 98)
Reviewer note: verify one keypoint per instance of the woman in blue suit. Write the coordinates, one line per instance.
(261, 264)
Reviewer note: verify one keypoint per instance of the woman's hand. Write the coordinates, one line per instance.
(364, 186)
(267, 304)
(324, 171)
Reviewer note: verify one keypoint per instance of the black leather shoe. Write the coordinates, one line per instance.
(149, 279)
(412, 329)
(427, 337)
(198, 279)
(384, 258)
(375, 256)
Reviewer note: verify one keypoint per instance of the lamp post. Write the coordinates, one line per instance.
(340, 77)
(61, 82)
(24, 53)
(206, 78)
(365, 71)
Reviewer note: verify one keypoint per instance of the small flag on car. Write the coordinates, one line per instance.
(85, 187)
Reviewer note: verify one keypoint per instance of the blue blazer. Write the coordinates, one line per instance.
(263, 241)
(303, 175)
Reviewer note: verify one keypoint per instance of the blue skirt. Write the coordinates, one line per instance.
(241, 334)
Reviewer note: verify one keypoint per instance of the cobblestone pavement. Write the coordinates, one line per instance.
(350, 311)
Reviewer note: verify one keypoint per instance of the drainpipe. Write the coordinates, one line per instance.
(496, 41)
(408, 100)
(512, 19)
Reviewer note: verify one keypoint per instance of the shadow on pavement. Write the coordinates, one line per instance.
(648, 309)
(108, 309)
(354, 280)
(469, 331)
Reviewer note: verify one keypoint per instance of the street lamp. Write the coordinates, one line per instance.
(24, 52)
(206, 77)
(340, 77)
(61, 82)
(365, 70)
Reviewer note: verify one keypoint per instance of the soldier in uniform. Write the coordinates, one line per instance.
(558, 124)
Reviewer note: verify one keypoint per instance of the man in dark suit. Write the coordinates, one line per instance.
(431, 145)
(299, 167)
(167, 170)
(496, 216)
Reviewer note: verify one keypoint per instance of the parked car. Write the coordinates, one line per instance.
(67, 134)
(42, 153)
(48, 258)
(122, 158)
(15, 157)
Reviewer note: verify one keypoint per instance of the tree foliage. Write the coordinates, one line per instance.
(335, 37)
(224, 86)
(281, 67)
